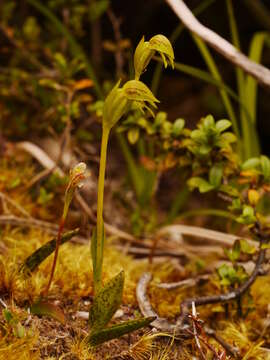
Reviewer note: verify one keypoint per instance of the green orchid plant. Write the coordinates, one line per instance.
(108, 297)
(119, 101)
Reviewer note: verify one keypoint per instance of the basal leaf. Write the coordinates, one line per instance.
(113, 332)
(45, 308)
(35, 259)
(106, 302)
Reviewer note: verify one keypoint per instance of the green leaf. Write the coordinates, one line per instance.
(115, 331)
(208, 122)
(265, 164)
(215, 175)
(248, 217)
(45, 308)
(246, 248)
(8, 316)
(251, 163)
(35, 259)
(234, 253)
(223, 125)
(265, 246)
(178, 126)
(106, 302)
(203, 185)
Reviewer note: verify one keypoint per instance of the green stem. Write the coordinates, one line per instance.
(101, 180)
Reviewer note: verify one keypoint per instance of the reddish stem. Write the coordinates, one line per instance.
(58, 241)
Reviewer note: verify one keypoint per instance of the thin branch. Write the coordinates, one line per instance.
(232, 295)
(259, 72)
(35, 223)
(195, 333)
(146, 308)
(14, 204)
(116, 23)
(219, 237)
(184, 283)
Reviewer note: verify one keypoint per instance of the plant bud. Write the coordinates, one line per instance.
(143, 55)
(253, 197)
(76, 175)
(115, 106)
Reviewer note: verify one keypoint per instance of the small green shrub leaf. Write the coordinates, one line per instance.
(223, 125)
(113, 332)
(265, 164)
(251, 163)
(200, 183)
(215, 175)
(106, 302)
(178, 126)
(246, 248)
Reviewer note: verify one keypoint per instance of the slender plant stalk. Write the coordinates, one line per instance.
(58, 242)
(101, 181)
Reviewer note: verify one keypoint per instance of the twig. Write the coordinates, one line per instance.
(195, 231)
(40, 176)
(259, 72)
(118, 37)
(227, 296)
(14, 204)
(195, 333)
(230, 349)
(35, 223)
(146, 308)
(184, 283)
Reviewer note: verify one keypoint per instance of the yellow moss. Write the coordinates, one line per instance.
(73, 276)
(241, 335)
(25, 348)
(80, 349)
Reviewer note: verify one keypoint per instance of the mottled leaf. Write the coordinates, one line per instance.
(35, 259)
(113, 332)
(106, 302)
